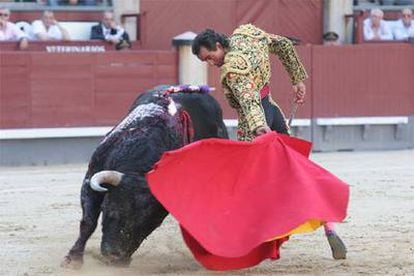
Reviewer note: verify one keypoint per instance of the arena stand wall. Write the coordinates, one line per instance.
(58, 99)
(55, 107)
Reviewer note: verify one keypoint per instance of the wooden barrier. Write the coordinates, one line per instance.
(39, 89)
(81, 46)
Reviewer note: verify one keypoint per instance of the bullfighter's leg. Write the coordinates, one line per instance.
(276, 121)
(91, 207)
(274, 116)
(337, 245)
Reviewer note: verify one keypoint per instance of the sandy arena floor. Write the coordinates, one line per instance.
(39, 214)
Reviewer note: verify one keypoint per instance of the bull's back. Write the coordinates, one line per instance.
(205, 112)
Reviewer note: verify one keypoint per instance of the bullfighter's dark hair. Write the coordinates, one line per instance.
(208, 39)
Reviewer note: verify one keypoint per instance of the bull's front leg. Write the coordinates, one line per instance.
(91, 207)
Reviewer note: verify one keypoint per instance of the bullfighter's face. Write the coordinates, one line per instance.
(213, 57)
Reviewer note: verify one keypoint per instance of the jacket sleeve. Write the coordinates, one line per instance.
(244, 90)
(284, 49)
(96, 32)
(125, 36)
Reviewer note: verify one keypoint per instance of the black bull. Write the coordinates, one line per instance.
(129, 211)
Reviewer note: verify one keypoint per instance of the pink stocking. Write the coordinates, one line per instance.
(329, 227)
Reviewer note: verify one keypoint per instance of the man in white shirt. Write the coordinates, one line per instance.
(48, 28)
(404, 27)
(375, 28)
(10, 32)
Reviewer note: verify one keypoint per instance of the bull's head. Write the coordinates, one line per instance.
(129, 214)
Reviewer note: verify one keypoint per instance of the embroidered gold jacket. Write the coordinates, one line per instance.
(246, 70)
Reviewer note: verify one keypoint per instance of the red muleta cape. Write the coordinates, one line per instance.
(237, 202)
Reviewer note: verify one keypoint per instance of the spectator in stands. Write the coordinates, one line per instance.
(83, 2)
(10, 32)
(375, 28)
(71, 2)
(404, 27)
(48, 28)
(110, 31)
(331, 39)
(404, 2)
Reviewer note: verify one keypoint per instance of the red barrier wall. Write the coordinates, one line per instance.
(77, 89)
(363, 80)
(39, 89)
(67, 46)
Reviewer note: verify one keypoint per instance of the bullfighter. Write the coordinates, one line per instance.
(244, 60)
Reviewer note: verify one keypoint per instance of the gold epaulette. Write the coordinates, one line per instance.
(235, 62)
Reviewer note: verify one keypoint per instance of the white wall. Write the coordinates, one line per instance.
(127, 7)
(334, 18)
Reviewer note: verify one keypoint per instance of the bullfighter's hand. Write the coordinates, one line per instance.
(114, 41)
(261, 130)
(300, 92)
(23, 44)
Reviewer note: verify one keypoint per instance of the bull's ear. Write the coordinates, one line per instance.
(179, 106)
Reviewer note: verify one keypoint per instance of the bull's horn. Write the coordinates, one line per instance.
(109, 177)
(172, 107)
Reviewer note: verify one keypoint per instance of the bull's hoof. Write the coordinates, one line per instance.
(337, 246)
(114, 260)
(120, 263)
(72, 262)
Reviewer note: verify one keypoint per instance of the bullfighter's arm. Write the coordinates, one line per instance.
(284, 49)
